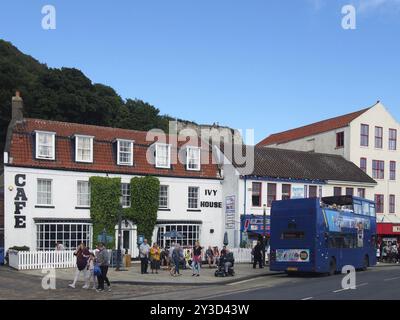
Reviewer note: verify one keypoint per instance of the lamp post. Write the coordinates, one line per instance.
(118, 266)
(264, 230)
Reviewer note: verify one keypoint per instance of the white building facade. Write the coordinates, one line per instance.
(66, 221)
(280, 175)
(369, 139)
(47, 169)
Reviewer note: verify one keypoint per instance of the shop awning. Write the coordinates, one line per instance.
(388, 229)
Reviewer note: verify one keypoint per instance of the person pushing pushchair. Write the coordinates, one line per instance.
(225, 264)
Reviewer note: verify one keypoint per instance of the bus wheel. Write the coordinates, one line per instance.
(365, 263)
(332, 267)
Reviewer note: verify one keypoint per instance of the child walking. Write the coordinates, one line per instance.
(91, 277)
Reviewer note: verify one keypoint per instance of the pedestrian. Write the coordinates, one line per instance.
(216, 255)
(144, 251)
(258, 254)
(90, 274)
(188, 259)
(196, 258)
(170, 251)
(155, 254)
(223, 251)
(227, 260)
(378, 254)
(398, 252)
(384, 253)
(165, 257)
(82, 255)
(102, 259)
(382, 246)
(59, 246)
(394, 253)
(210, 256)
(177, 257)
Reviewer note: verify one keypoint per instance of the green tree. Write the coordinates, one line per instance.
(66, 94)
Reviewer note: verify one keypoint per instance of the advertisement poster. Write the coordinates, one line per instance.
(293, 255)
(230, 212)
(336, 221)
(297, 192)
(230, 204)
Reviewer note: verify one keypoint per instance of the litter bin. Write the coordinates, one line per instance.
(1, 255)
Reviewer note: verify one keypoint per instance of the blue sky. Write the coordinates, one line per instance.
(265, 64)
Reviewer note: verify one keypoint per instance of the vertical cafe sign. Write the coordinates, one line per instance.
(20, 201)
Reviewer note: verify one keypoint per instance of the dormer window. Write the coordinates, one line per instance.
(125, 152)
(163, 155)
(193, 159)
(83, 148)
(45, 145)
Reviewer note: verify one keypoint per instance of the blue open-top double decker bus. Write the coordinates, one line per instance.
(322, 235)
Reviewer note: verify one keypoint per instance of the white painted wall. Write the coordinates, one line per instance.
(322, 143)
(65, 200)
(378, 116)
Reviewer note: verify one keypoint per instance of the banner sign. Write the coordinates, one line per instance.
(336, 221)
(297, 192)
(293, 255)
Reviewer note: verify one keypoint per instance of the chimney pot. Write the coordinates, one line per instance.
(17, 106)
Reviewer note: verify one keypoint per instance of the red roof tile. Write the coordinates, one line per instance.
(311, 129)
(104, 155)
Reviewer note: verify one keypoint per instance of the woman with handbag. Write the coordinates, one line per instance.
(155, 253)
(82, 255)
(196, 257)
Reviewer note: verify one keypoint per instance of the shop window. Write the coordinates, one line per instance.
(256, 194)
(70, 235)
(271, 193)
(286, 189)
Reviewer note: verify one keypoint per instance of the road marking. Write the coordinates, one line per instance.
(360, 285)
(390, 279)
(240, 282)
(309, 298)
(222, 294)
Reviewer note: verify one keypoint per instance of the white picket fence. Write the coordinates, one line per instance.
(241, 255)
(30, 260)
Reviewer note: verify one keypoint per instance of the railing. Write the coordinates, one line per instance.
(30, 260)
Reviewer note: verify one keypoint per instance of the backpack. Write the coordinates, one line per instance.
(97, 270)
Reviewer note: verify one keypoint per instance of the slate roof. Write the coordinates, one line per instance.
(297, 165)
(311, 129)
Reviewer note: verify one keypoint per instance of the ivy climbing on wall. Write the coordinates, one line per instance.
(105, 203)
(144, 207)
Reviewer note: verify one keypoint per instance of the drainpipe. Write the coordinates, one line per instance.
(244, 206)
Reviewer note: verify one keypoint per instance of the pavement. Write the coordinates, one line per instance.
(132, 275)
(381, 283)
